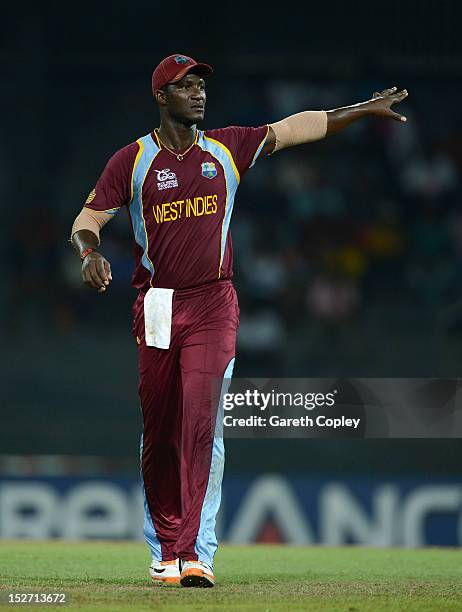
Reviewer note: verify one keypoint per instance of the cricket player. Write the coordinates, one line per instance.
(178, 184)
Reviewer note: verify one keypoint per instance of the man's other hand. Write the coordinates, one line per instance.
(96, 272)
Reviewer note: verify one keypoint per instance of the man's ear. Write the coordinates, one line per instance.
(161, 97)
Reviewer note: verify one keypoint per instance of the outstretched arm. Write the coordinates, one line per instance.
(380, 106)
(314, 125)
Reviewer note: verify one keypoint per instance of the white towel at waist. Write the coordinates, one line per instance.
(158, 317)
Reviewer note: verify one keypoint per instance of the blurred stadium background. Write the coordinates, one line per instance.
(348, 260)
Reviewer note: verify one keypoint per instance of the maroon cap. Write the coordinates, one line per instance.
(174, 67)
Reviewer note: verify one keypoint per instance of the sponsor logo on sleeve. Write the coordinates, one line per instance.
(91, 196)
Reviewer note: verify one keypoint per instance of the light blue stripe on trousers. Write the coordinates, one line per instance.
(206, 541)
(149, 531)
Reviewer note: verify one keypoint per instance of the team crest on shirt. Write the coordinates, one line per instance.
(166, 179)
(209, 170)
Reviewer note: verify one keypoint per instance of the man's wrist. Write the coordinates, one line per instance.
(82, 241)
(360, 109)
(369, 107)
(84, 254)
(363, 108)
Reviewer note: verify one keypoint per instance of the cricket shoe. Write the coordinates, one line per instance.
(196, 574)
(165, 572)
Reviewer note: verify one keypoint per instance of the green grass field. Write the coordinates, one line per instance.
(113, 576)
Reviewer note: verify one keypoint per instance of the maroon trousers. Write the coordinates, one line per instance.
(181, 460)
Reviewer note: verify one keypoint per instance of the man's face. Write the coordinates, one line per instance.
(185, 100)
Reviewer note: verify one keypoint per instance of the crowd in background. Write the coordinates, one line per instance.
(348, 252)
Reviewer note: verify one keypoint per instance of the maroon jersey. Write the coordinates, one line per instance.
(180, 211)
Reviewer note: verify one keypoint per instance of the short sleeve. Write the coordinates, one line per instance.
(244, 143)
(113, 188)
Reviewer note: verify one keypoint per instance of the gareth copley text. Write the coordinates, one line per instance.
(305, 421)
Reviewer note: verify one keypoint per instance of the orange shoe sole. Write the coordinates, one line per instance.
(196, 578)
(170, 581)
